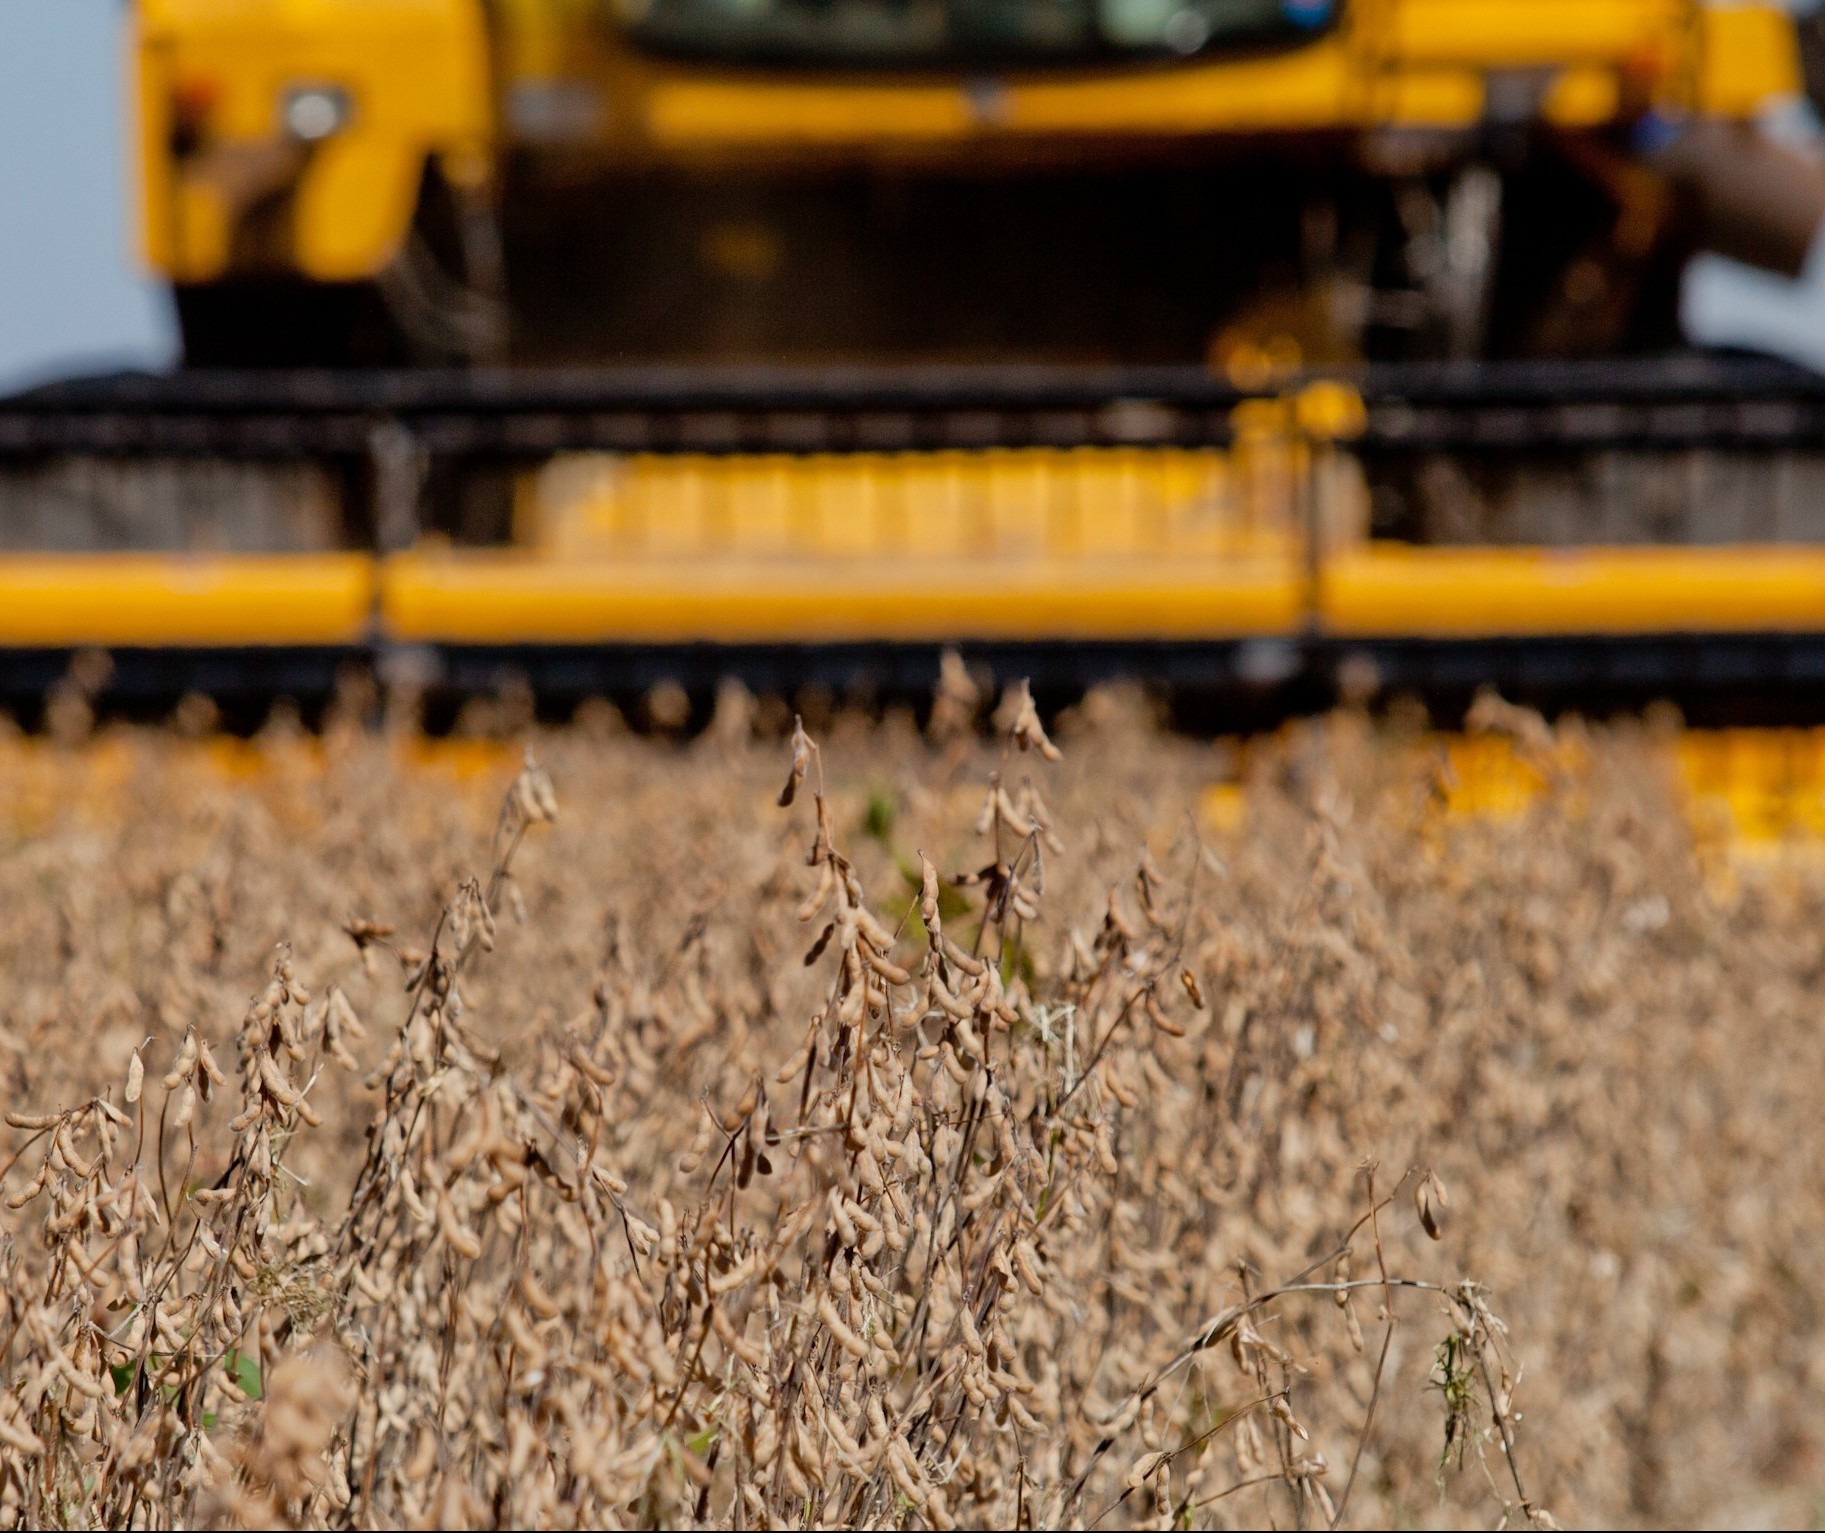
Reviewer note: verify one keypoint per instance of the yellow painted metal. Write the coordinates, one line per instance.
(156, 219)
(425, 74)
(1307, 88)
(1582, 97)
(1749, 56)
(1399, 63)
(51, 600)
(1223, 807)
(1317, 88)
(1487, 778)
(548, 39)
(1762, 789)
(1118, 544)
(353, 205)
(685, 112)
(416, 73)
(1753, 798)
(514, 598)
(1480, 592)
(1202, 504)
(682, 580)
(1529, 34)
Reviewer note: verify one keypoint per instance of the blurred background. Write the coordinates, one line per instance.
(1269, 350)
(82, 299)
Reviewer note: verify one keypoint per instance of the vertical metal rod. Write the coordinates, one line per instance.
(1309, 451)
(399, 463)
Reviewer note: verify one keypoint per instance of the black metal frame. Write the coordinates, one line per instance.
(1674, 402)
(1225, 686)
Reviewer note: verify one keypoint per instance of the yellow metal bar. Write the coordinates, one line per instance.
(1415, 63)
(1422, 63)
(501, 598)
(508, 597)
(1490, 593)
(1311, 88)
(1504, 34)
(51, 600)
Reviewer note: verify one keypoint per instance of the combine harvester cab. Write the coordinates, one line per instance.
(1114, 181)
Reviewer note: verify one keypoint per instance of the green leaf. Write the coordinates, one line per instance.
(123, 1375)
(952, 906)
(878, 821)
(245, 1371)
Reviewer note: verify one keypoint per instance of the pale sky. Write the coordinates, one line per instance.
(71, 295)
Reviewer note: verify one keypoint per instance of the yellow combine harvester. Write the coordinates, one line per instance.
(808, 233)
(1117, 180)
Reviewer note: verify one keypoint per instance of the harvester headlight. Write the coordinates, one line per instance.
(315, 112)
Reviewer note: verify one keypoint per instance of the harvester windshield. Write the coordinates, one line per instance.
(939, 32)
